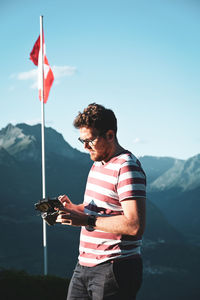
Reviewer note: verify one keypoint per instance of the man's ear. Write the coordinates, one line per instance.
(110, 135)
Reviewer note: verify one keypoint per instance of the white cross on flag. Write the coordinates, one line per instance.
(36, 58)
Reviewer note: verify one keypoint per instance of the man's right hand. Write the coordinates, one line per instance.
(69, 205)
(66, 202)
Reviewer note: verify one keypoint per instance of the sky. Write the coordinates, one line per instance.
(139, 58)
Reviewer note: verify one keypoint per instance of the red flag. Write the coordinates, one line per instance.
(35, 56)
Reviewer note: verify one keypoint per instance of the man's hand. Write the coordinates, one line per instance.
(69, 205)
(72, 217)
(66, 201)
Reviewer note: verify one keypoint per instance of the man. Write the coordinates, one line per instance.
(112, 215)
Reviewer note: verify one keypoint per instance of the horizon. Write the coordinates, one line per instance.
(140, 59)
(141, 156)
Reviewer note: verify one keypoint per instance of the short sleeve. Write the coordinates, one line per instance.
(131, 181)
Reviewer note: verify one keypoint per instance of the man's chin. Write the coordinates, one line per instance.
(95, 157)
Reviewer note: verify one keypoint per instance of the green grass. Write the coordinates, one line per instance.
(20, 285)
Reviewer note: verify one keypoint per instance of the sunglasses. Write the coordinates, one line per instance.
(88, 142)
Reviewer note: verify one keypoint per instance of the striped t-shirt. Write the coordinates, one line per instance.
(121, 178)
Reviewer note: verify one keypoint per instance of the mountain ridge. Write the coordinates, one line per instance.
(20, 189)
(183, 174)
(23, 141)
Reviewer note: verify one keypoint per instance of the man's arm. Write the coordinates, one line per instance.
(132, 222)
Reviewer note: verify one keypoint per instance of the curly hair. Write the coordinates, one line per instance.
(98, 117)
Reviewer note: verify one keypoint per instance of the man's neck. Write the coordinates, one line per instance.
(117, 149)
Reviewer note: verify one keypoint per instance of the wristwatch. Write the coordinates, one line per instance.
(91, 222)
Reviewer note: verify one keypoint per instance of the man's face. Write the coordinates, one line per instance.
(98, 146)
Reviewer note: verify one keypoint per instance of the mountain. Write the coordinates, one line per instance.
(165, 248)
(184, 175)
(20, 189)
(157, 166)
(66, 171)
(24, 143)
(177, 193)
(20, 159)
(174, 188)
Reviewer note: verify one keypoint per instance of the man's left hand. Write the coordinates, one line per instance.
(71, 217)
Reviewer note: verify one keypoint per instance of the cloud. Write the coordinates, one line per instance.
(137, 140)
(28, 75)
(62, 71)
(58, 71)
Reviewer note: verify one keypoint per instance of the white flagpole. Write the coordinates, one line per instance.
(43, 142)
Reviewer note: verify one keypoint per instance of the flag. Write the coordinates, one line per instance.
(36, 58)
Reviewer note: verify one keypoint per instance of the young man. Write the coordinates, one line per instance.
(112, 215)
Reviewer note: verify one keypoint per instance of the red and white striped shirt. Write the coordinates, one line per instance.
(120, 179)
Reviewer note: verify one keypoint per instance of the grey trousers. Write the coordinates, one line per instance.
(117, 280)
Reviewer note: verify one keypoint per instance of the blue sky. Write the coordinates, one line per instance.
(139, 58)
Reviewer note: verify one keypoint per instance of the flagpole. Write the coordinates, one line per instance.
(43, 143)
